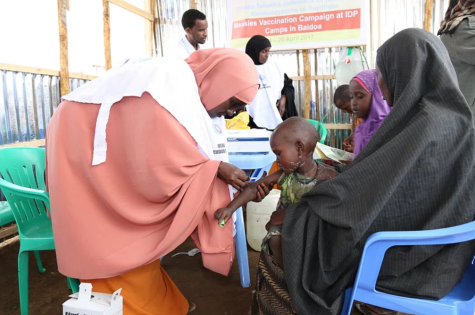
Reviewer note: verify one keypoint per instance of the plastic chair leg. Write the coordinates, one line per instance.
(23, 258)
(241, 243)
(73, 284)
(38, 262)
(348, 304)
(241, 250)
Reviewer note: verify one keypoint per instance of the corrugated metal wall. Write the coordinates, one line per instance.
(27, 102)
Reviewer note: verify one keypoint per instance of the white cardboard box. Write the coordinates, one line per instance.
(253, 141)
(86, 302)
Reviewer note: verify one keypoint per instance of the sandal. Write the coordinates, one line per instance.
(367, 309)
(192, 307)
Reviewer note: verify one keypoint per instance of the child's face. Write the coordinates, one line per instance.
(289, 156)
(360, 100)
(344, 106)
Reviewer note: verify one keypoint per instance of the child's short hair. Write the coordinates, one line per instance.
(342, 93)
(299, 129)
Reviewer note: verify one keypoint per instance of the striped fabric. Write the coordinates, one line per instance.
(271, 296)
(458, 10)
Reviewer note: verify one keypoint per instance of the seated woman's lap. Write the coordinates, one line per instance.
(271, 295)
(275, 246)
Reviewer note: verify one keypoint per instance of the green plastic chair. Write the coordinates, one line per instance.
(22, 172)
(73, 284)
(6, 213)
(322, 130)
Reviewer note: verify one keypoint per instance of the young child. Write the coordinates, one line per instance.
(368, 104)
(293, 142)
(342, 100)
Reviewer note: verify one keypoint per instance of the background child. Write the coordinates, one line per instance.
(368, 104)
(342, 100)
(293, 142)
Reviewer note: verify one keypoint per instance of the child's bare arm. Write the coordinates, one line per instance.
(247, 195)
(267, 180)
(250, 193)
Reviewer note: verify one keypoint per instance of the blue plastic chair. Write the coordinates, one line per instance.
(261, 162)
(241, 242)
(460, 301)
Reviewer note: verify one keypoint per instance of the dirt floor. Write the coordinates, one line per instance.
(212, 293)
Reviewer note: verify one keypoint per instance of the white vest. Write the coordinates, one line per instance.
(263, 108)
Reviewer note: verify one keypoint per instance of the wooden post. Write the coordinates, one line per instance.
(63, 48)
(428, 15)
(306, 74)
(132, 8)
(148, 29)
(8, 231)
(107, 34)
(192, 4)
(159, 17)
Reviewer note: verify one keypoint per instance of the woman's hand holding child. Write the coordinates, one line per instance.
(254, 192)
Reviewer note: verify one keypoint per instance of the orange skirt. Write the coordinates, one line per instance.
(147, 290)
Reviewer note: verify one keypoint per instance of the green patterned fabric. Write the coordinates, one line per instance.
(294, 185)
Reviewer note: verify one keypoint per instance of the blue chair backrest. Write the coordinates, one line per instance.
(373, 255)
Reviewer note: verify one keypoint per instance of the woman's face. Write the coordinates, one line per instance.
(360, 100)
(264, 55)
(227, 107)
(384, 87)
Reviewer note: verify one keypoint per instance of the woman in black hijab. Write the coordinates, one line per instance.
(416, 173)
(258, 48)
(255, 46)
